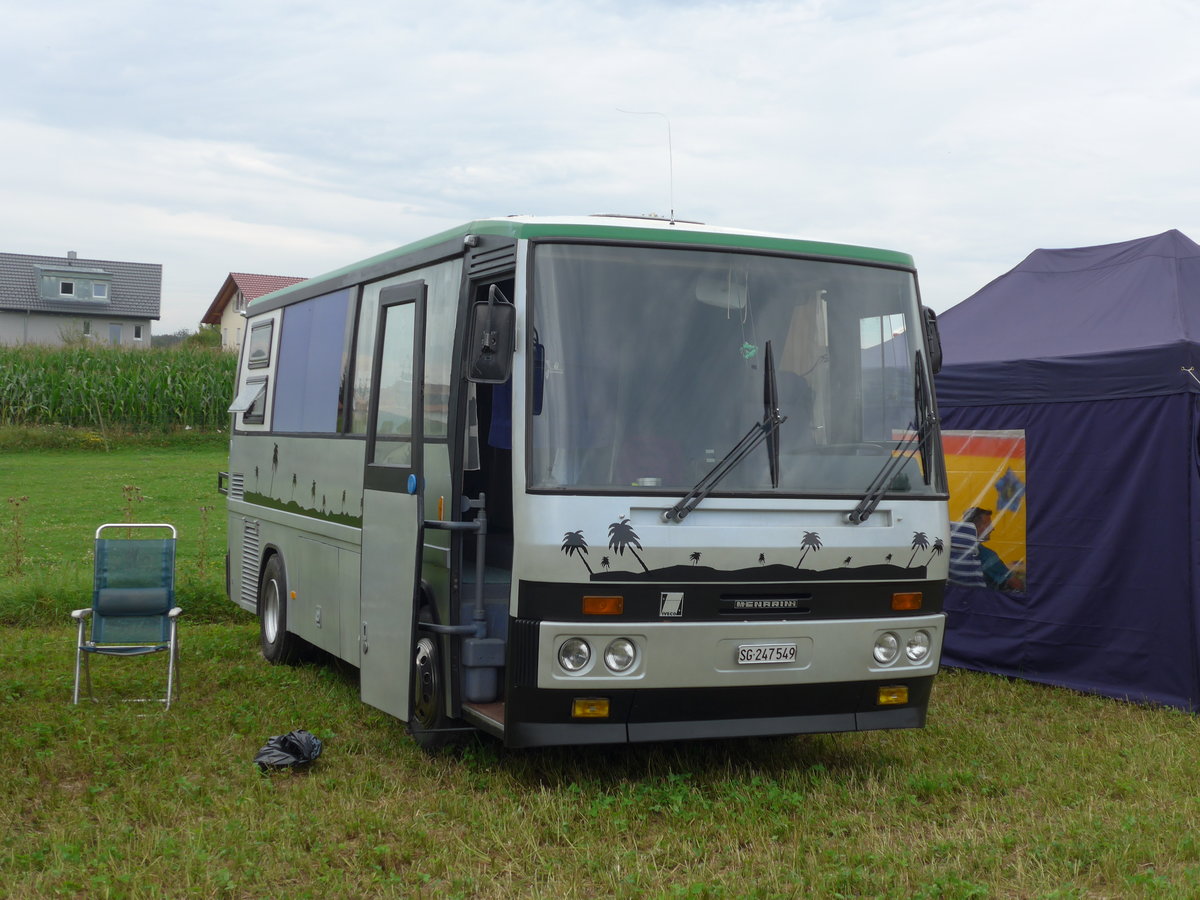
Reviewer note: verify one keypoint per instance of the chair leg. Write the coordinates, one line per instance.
(78, 663)
(172, 656)
(80, 657)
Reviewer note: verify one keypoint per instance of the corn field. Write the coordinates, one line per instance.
(101, 387)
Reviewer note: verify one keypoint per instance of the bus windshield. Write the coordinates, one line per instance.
(648, 367)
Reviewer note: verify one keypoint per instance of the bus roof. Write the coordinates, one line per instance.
(602, 227)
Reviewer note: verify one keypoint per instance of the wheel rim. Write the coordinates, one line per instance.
(426, 682)
(270, 611)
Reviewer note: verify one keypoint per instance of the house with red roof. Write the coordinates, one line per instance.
(228, 309)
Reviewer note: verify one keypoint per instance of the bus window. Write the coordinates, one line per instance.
(393, 416)
(310, 364)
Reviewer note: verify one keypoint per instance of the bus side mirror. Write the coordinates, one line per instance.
(933, 339)
(493, 331)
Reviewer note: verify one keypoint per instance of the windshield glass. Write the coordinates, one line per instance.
(648, 367)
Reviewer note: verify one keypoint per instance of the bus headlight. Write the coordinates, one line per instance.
(887, 648)
(917, 647)
(574, 654)
(620, 655)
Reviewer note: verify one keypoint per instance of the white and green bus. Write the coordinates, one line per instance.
(599, 480)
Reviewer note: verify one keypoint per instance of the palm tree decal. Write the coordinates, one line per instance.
(605, 563)
(293, 485)
(810, 541)
(938, 547)
(762, 559)
(695, 557)
(919, 542)
(574, 543)
(621, 536)
(274, 466)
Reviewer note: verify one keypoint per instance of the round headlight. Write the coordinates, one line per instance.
(917, 647)
(574, 654)
(620, 654)
(887, 648)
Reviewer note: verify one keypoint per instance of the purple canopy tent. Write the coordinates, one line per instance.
(1090, 352)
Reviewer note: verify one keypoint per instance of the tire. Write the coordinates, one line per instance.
(428, 723)
(278, 645)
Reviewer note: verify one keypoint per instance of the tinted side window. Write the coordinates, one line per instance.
(309, 375)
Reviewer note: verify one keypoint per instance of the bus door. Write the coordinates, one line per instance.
(393, 506)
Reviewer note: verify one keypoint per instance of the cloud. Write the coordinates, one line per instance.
(295, 137)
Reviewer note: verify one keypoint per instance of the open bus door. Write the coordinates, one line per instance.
(393, 505)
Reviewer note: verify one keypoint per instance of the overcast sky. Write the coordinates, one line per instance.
(291, 138)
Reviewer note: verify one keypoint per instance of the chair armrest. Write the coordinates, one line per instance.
(81, 613)
(175, 612)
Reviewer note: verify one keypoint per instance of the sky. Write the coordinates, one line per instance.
(292, 138)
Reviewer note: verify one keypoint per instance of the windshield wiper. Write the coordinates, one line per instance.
(915, 441)
(766, 430)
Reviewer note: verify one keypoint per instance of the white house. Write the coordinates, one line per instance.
(228, 307)
(61, 299)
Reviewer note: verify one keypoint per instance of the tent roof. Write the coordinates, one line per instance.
(1117, 319)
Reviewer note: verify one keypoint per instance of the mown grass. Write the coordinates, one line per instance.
(1013, 789)
(51, 502)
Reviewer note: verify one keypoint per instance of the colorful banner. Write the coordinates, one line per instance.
(986, 472)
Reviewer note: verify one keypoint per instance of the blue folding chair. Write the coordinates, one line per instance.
(133, 609)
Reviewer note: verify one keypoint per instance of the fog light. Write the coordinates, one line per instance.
(574, 654)
(917, 647)
(892, 695)
(620, 655)
(589, 708)
(887, 648)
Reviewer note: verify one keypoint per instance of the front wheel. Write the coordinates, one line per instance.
(278, 644)
(428, 723)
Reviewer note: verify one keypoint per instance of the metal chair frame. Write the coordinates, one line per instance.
(148, 604)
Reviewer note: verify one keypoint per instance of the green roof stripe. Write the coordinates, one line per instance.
(610, 230)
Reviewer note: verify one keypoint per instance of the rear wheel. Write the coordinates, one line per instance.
(278, 645)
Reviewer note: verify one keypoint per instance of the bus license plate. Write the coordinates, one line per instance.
(750, 654)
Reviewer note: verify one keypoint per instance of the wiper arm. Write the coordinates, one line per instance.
(902, 453)
(768, 428)
(916, 441)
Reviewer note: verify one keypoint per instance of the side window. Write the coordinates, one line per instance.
(394, 411)
(251, 401)
(441, 311)
(259, 356)
(253, 404)
(308, 374)
(442, 282)
(364, 357)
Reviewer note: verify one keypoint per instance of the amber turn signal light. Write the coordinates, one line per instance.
(907, 602)
(603, 606)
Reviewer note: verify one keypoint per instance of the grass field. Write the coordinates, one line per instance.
(1013, 790)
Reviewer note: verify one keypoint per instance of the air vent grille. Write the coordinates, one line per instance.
(251, 557)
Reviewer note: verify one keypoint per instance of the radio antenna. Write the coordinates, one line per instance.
(670, 152)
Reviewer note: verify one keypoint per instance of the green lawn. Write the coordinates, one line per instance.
(1013, 790)
(53, 501)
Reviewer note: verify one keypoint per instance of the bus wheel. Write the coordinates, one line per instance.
(278, 646)
(428, 723)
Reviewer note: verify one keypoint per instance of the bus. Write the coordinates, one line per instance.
(599, 480)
